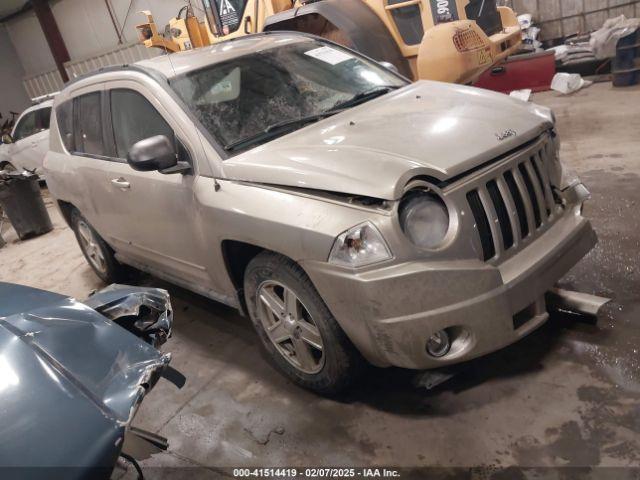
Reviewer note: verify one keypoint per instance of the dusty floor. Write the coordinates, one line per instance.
(567, 396)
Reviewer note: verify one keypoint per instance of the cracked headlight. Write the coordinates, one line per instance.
(359, 246)
(424, 218)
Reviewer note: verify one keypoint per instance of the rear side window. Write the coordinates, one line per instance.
(26, 127)
(88, 132)
(134, 119)
(64, 113)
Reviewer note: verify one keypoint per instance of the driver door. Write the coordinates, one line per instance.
(148, 217)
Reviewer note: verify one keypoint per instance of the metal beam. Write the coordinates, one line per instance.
(53, 35)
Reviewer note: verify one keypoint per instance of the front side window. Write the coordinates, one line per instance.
(134, 119)
(26, 127)
(268, 91)
(88, 138)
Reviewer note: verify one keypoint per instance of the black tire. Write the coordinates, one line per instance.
(113, 271)
(342, 365)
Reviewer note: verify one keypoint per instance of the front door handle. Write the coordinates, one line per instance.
(121, 183)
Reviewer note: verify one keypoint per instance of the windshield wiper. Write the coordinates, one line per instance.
(364, 97)
(279, 128)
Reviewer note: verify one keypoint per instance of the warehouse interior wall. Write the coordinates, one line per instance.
(13, 96)
(86, 28)
(30, 44)
(562, 18)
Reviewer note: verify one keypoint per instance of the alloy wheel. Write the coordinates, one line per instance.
(90, 246)
(290, 327)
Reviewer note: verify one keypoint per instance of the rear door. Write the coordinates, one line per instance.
(81, 130)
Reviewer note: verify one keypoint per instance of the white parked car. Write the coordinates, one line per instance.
(28, 143)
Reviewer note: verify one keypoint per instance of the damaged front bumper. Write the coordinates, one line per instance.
(390, 313)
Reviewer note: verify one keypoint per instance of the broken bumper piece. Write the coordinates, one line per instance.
(145, 312)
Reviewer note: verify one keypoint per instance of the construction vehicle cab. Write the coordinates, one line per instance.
(446, 40)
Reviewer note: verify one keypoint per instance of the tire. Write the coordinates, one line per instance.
(107, 269)
(338, 363)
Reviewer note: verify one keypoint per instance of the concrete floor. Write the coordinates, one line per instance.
(566, 396)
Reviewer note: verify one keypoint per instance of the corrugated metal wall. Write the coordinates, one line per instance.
(92, 40)
(561, 18)
(49, 82)
(124, 55)
(90, 37)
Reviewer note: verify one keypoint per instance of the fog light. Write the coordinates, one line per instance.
(439, 344)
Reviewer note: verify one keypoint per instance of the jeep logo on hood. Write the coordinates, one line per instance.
(444, 11)
(506, 134)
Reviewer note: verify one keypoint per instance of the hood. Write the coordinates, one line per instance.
(66, 369)
(428, 128)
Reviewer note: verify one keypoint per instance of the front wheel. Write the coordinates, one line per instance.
(296, 327)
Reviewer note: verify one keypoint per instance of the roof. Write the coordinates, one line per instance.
(175, 64)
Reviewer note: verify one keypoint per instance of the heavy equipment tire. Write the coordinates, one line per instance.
(98, 254)
(292, 321)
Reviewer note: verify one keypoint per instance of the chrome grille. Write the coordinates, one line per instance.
(515, 204)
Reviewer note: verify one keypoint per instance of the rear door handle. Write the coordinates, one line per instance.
(121, 183)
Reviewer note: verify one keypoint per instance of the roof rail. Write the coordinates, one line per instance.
(118, 68)
(43, 98)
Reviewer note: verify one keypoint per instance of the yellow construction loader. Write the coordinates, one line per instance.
(446, 40)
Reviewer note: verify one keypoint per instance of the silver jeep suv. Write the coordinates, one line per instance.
(352, 215)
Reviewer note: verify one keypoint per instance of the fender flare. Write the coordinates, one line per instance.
(366, 32)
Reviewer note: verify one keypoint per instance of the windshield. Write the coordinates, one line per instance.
(253, 96)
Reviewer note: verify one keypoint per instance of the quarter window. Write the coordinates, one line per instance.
(88, 138)
(134, 119)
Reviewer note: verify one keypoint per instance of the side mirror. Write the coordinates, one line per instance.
(7, 138)
(390, 66)
(153, 153)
